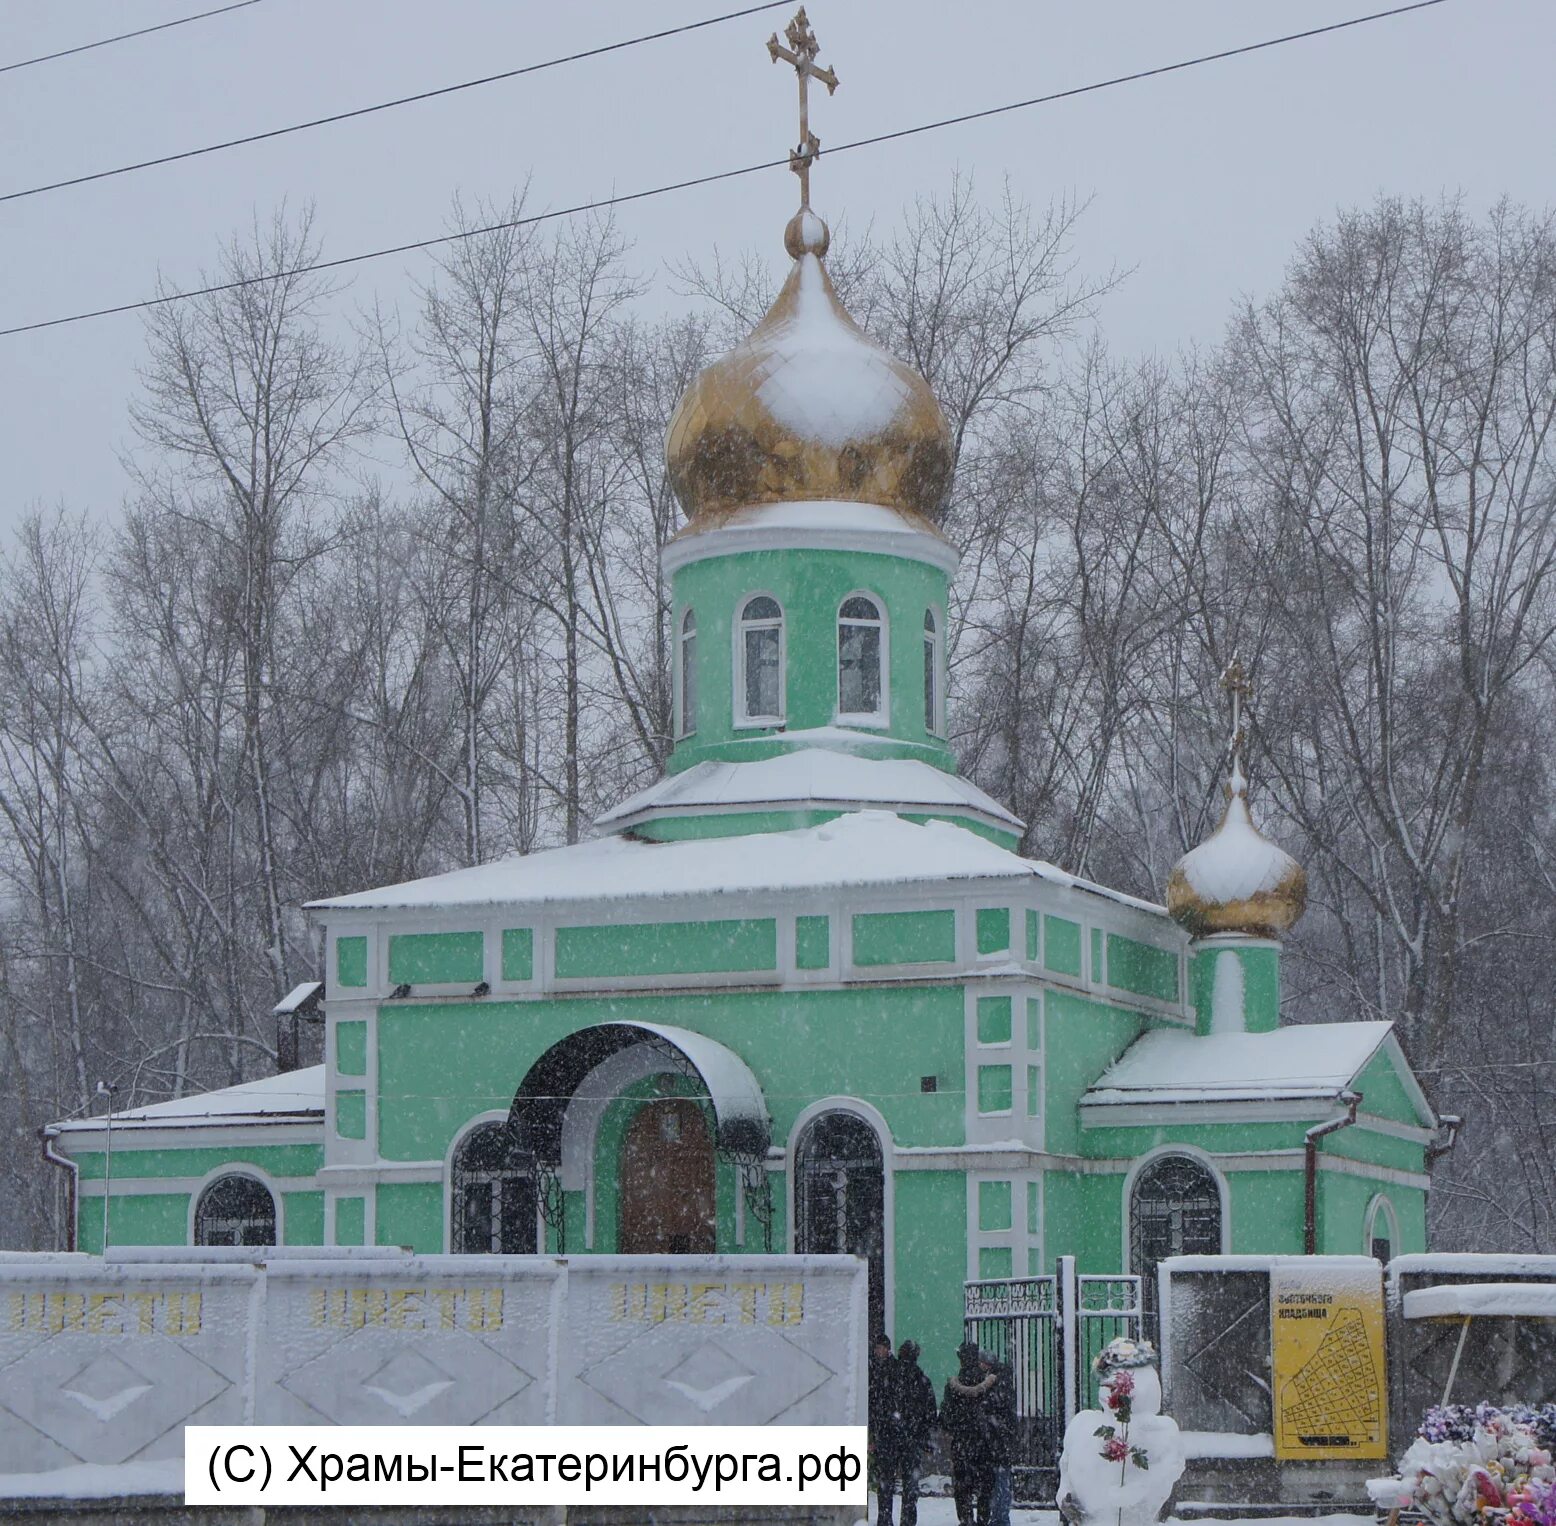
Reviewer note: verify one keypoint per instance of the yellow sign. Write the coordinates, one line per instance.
(1330, 1397)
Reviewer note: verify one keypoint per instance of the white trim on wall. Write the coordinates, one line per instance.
(234, 1168)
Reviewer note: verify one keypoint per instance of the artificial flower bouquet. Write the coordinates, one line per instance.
(1488, 1465)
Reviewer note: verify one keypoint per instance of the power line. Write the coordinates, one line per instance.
(103, 42)
(700, 180)
(404, 100)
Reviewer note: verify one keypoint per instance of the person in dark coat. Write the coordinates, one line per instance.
(904, 1435)
(882, 1397)
(1000, 1428)
(964, 1417)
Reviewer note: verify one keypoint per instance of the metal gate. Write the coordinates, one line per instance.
(1048, 1331)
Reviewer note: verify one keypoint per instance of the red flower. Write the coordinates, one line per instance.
(1122, 1384)
(1115, 1449)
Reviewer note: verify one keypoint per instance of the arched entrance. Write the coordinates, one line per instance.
(667, 1181)
(840, 1198)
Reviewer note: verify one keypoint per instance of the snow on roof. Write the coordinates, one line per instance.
(1500, 1300)
(1485, 1264)
(1313, 1060)
(297, 997)
(812, 778)
(295, 1093)
(860, 848)
(1237, 861)
(819, 375)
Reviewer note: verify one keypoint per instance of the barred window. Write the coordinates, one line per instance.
(494, 1204)
(840, 1203)
(1174, 1210)
(235, 1210)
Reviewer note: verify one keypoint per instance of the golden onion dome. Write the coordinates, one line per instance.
(1237, 880)
(808, 407)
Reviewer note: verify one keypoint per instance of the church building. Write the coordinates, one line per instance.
(802, 994)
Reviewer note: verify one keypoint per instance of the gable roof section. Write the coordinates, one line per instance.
(294, 1096)
(1307, 1062)
(860, 848)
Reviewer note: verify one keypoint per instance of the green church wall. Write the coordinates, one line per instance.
(304, 1215)
(1266, 1212)
(1261, 982)
(351, 1114)
(667, 948)
(869, 1042)
(1096, 954)
(426, 959)
(273, 1160)
(350, 1220)
(810, 585)
(1083, 1038)
(1033, 938)
(351, 961)
(993, 927)
(904, 937)
(1062, 946)
(518, 953)
(351, 1048)
(409, 1214)
(1383, 1094)
(1137, 967)
(812, 943)
(135, 1218)
(686, 828)
(930, 1256)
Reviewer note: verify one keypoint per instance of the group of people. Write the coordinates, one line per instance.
(976, 1416)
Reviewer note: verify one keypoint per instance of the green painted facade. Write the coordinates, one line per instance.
(962, 1016)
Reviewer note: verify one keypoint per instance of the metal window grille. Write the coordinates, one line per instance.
(1175, 1210)
(840, 1207)
(494, 1200)
(235, 1210)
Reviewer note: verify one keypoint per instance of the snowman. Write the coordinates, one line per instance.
(1120, 1462)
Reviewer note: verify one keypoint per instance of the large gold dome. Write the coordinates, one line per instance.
(808, 407)
(1237, 880)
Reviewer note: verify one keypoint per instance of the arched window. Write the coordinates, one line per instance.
(840, 1198)
(493, 1199)
(1381, 1234)
(759, 653)
(1174, 1210)
(934, 698)
(687, 715)
(235, 1210)
(861, 674)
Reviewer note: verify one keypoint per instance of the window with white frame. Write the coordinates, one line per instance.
(687, 714)
(934, 696)
(1174, 1210)
(1382, 1232)
(861, 654)
(759, 659)
(235, 1210)
(493, 1198)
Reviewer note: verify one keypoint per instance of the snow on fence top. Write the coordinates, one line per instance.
(1501, 1300)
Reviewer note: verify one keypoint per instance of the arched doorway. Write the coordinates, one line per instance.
(235, 1210)
(492, 1195)
(667, 1181)
(1174, 1210)
(840, 1198)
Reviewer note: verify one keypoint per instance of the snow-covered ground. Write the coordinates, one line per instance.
(934, 1511)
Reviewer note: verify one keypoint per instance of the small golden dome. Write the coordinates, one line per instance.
(1237, 880)
(808, 407)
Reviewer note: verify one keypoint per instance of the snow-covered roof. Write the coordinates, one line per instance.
(1498, 1300)
(813, 778)
(1313, 1060)
(299, 996)
(293, 1094)
(861, 848)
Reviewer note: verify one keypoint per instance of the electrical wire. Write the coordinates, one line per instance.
(103, 42)
(404, 100)
(624, 199)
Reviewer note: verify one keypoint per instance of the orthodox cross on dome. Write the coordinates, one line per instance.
(1237, 683)
(801, 52)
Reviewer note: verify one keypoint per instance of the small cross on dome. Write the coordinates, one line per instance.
(801, 52)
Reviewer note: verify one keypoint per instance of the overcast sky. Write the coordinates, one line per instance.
(1202, 181)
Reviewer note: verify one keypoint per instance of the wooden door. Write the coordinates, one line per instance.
(666, 1182)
